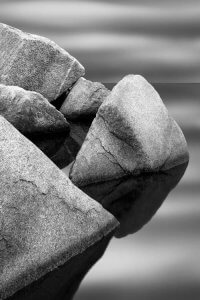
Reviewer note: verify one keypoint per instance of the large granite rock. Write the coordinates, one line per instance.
(44, 219)
(132, 133)
(84, 99)
(30, 112)
(35, 63)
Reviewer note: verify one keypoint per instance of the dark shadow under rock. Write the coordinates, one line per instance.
(71, 145)
(62, 148)
(134, 200)
(49, 144)
(59, 101)
(63, 282)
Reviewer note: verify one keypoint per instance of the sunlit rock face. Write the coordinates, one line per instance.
(30, 112)
(132, 133)
(35, 63)
(84, 99)
(45, 220)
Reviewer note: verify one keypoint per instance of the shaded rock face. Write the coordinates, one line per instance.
(132, 133)
(35, 63)
(63, 282)
(30, 112)
(44, 219)
(84, 99)
(134, 200)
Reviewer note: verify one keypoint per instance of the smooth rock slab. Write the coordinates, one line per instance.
(35, 63)
(30, 112)
(44, 219)
(84, 99)
(132, 133)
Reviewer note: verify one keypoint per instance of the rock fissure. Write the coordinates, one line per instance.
(111, 154)
(113, 133)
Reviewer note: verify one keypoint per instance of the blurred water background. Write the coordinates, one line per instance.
(157, 38)
(160, 40)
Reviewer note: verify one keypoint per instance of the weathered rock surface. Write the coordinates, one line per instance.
(30, 112)
(84, 99)
(132, 133)
(44, 219)
(35, 63)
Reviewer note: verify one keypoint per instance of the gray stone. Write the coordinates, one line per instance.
(132, 133)
(35, 63)
(30, 112)
(84, 99)
(44, 219)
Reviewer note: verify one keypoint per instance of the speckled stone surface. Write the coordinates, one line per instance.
(44, 219)
(35, 63)
(30, 112)
(84, 99)
(132, 133)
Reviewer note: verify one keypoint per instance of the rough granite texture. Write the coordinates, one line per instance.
(84, 99)
(44, 219)
(35, 63)
(132, 133)
(30, 112)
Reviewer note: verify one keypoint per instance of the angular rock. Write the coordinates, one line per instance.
(84, 99)
(132, 133)
(44, 219)
(35, 63)
(30, 112)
